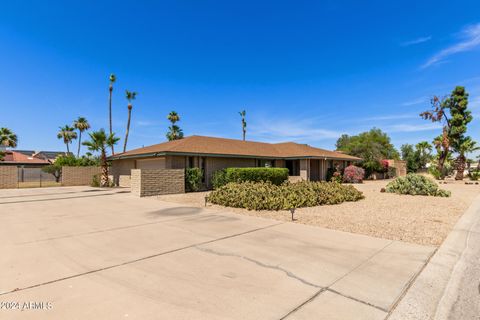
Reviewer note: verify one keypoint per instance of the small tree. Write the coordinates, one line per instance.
(372, 146)
(8, 138)
(99, 142)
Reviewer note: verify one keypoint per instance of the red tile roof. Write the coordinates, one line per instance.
(12, 157)
(232, 147)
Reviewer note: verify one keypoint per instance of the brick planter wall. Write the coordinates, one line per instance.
(8, 177)
(153, 182)
(79, 176)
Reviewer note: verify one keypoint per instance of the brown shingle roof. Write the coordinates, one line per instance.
(232, 147)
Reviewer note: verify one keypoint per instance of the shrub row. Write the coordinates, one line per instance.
(276, 176)
(267, 196)
(415, 184)
(193, 179)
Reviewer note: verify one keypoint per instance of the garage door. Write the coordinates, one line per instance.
(157, 163)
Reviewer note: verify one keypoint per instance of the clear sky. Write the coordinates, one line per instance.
(304, 71)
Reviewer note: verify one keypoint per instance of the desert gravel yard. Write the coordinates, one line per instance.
(416, 219)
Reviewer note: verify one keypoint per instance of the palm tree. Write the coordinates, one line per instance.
(113, 78)
(81, 124)
(99, 142)
(244, 123)
(424, 150)
(130, 95)
(68, 134)
(174, 131)
(8, 138)
(467, 146)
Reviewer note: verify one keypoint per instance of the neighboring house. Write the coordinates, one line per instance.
(15, 158)
(45, 155)
(211, 154)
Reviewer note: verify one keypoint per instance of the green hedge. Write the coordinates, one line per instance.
(267, 196)
(276, 176)
(415, 184)
(193, 179)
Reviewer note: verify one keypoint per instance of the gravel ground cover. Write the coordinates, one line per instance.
(416, 219)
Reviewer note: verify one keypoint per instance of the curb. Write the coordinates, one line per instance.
(448, 286)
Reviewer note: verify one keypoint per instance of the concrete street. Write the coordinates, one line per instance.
(87, 253)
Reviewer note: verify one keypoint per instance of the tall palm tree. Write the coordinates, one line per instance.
(243, 114)
(81, 124)
(467, 146)
(130, 95)
(68, 134)
(8, 138)
(112, 79)
(99, 142)
(174, 131)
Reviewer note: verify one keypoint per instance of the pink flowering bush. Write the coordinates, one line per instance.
(353, 174)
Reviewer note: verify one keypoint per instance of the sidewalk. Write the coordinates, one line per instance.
(448, 287)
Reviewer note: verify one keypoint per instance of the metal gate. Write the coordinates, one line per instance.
(35, 177)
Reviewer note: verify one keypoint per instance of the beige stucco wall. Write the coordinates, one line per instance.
(400, 167)
(79, 176)
(305, 169)
(152, 182)
(120, 172)
(8, 177)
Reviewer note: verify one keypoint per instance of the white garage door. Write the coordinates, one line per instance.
(157, 163)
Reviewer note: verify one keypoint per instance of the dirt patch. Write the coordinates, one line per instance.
(416, 219)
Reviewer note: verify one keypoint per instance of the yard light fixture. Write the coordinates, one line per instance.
(206, 200)
(292, 211)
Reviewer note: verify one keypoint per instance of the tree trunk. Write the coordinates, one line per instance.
(244, 133)
(79, 143)
(68, 149)
(460, 164)
(110, 114)
(128, 129)
(104, 178)
(441, 164)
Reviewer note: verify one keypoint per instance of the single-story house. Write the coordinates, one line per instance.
(19, 159)
(212, 154)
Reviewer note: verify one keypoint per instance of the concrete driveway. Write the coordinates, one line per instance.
(85, 253)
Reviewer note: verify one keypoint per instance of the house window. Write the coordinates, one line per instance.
(203, 166)
(191, 162)
(264, 163)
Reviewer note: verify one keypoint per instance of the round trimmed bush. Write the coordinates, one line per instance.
(415, 184)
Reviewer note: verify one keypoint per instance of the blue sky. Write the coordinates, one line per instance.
(305, 71)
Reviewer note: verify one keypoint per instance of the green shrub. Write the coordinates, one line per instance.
(334, 175)
(392, 172)
(267, 196)
(433, 170)
(475, 175)
(276, 176)
(219, 179)
(95, 181)
(415, 184)
(193, 179)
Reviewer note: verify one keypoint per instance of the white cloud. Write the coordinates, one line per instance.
(469, 39)
(416, 41)
(413, 127)
(290, 130)
(415, 101)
